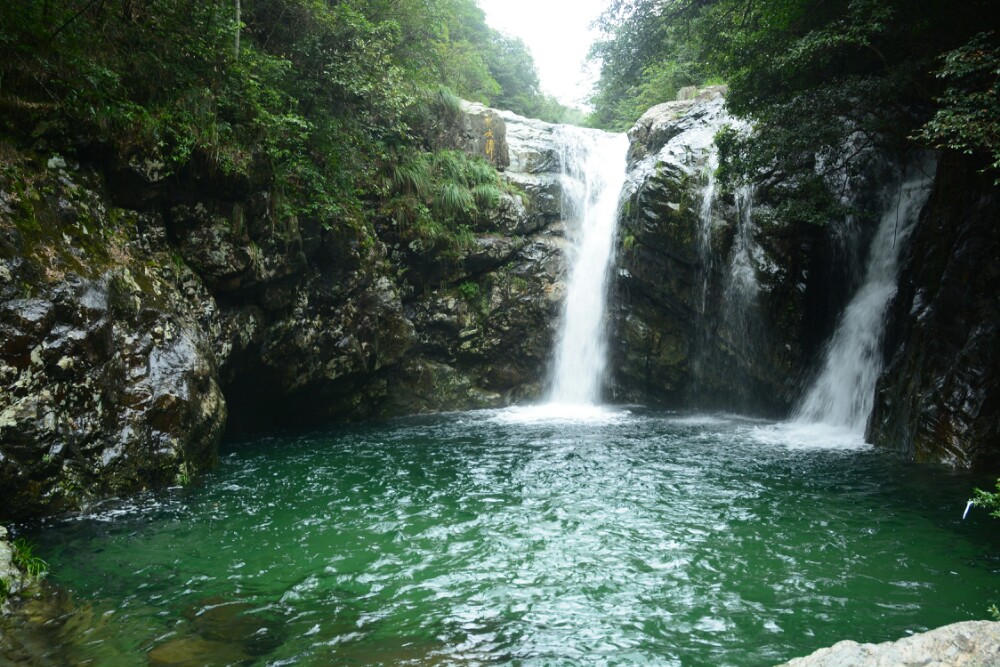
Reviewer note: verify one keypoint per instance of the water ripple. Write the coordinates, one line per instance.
(500, 537)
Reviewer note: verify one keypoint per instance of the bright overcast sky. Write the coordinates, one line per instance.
(558, 35)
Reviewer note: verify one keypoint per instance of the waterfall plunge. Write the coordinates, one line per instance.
(593, 171)
(843, 394)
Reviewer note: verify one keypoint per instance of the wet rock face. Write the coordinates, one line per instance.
(483, 337)
(130, 339)
(495, 330)
(107, 378)
(938, 398)
(695, 115)
(711, 303)
(474, 129)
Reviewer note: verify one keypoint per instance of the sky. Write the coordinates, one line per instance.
(558, 34)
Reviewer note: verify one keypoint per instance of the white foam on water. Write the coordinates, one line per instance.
(561, 412)
(699, 420)
(844, 392)
(801, 435)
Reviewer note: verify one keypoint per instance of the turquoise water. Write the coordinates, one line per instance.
(493, 538)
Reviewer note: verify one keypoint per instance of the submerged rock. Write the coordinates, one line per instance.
(12, 579)
(197, 652)
(968, 644)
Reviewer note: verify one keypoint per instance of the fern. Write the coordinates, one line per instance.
(480, 172)
(413, 177)
(451, 166)
(448, 102)
(453, 200)
(487, 195)
(25, 559)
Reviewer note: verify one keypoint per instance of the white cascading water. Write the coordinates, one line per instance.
(705, 212)
(843, 394)
(740, 298)
(705, 264)
(593, 171)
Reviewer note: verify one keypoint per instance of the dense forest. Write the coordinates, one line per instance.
(324, 97)
(321, 98)
(813, 76)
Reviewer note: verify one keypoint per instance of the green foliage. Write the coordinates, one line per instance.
(822, 81)
(969, 117)
(648, 53)
(988, 499)
(469, 291)
(314, 109)
(642, 66)
(448, 103)
(436, 196)
(453, 200)
(450, 184)
(487, 196)
(4, 590)
(25, 559)
(512, 66)
(414, 176)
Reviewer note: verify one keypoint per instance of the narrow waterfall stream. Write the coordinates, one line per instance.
(843, 393)
(705, 211)
(739, 307)
(593, 171)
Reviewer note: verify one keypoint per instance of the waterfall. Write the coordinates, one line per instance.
(593, 171)
(742, 287)
(843, 393)
(705, 265)
(705, 226)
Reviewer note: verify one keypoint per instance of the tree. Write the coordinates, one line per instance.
(968, 118)
(512, 66)
(814, 76)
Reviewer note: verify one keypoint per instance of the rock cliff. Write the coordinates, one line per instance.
(108, 359)
(938, 399)
(725, 301)
(141, 316)
(712, 306)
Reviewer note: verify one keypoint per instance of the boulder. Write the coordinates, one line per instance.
(474, 129)
(968, 644)
(711, 303)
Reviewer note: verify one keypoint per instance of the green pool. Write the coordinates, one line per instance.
(505, 538)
